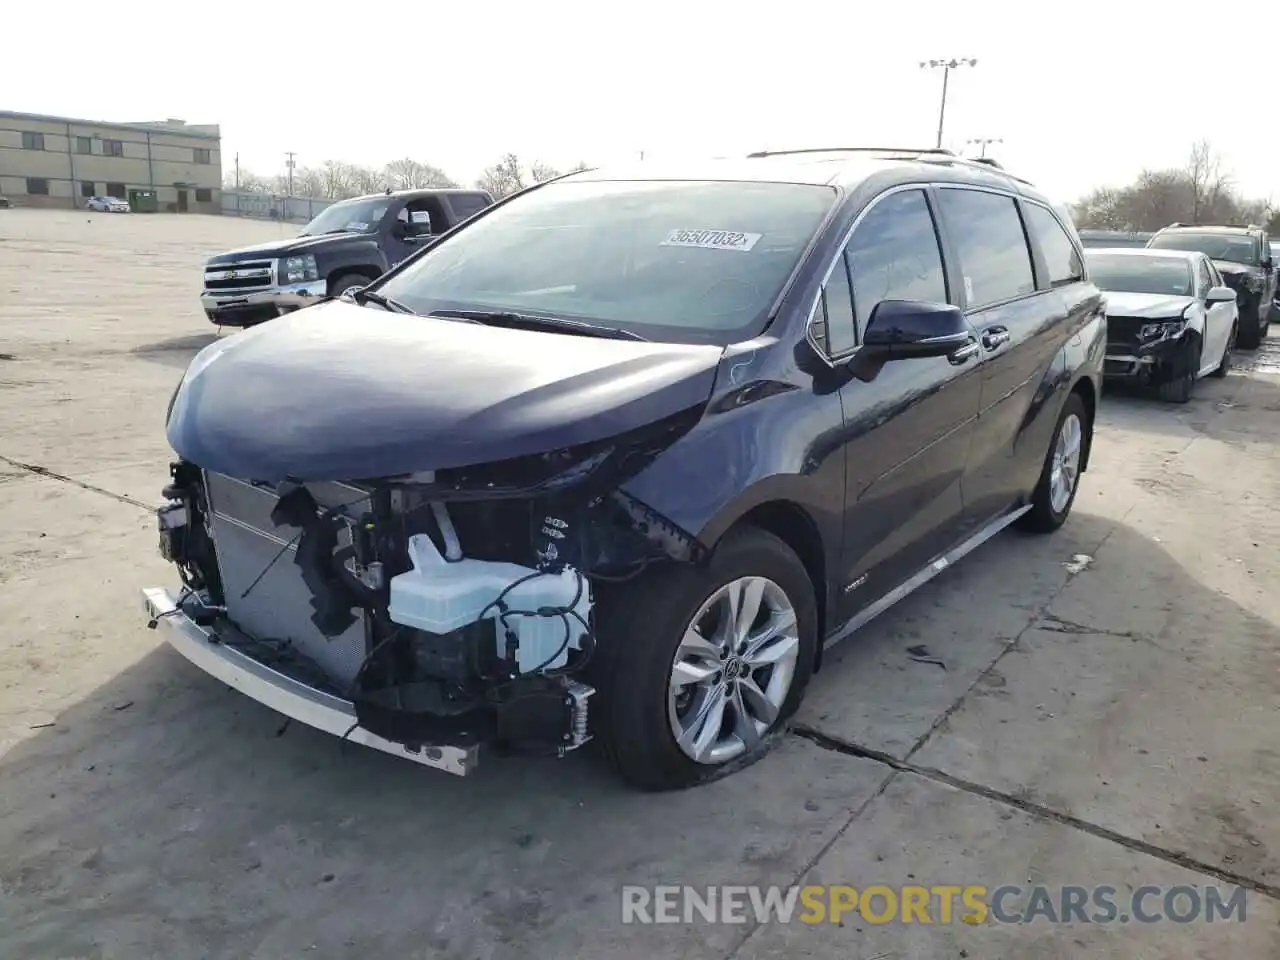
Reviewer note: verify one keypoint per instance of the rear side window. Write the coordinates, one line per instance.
(894, 255)
(467, 205)
(1060, 254)
(988, 236)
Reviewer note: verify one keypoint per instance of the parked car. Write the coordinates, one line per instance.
(621, 455)
(1113, 239)
(108, 205)
(1170, 318)
(347, 245)
(1243, 256)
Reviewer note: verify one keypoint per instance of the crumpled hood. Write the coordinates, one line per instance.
(342, 392)
(1234, 274)
(285, 245)
(1146, 306)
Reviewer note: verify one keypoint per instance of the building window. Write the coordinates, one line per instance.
(84, 145)
(113, 148)
(204, 195)
(86, 188)
(116, 190)
(32, 141)
(203, 155)
(38, 186)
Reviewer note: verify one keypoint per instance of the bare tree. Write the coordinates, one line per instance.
(503, 178)
(338, 180)
(1200, 192)
(1206, 182)
(409, 174)
(541, 172)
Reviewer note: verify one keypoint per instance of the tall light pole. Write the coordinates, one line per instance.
(946, 66)
(984, 142)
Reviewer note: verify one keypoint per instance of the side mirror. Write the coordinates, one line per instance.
(907, 329)
(1267, 263)
(399, 229)
(1220, 295)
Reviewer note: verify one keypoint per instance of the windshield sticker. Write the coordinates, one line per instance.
(711, 239)
(359, 225)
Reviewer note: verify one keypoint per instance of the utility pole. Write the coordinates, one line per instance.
(289, 164)
(984, 142)
(946, 66)
(237, 171)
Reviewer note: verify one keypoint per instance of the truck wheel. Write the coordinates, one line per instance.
(1251, 328)
(347, 283)
(1060, 477)
(699, 666)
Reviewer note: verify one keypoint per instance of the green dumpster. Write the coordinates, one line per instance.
(143, 201)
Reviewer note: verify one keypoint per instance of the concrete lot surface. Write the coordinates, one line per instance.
(1105, 713)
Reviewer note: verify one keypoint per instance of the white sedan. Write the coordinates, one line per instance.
(108, 204)
(1170, 317)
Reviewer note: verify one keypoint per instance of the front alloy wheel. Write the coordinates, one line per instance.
(699, 665)
(733, 670)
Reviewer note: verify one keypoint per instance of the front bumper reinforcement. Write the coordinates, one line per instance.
(204, 647)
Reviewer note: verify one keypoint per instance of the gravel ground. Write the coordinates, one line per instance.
(1101, 718)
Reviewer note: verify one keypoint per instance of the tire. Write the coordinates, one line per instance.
(347, 281)
(645, 625)
(1223, 368)
(1048, 511)
(1180, 389)
(1251, 329)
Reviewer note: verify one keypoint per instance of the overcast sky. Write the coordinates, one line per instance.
(1082, 93)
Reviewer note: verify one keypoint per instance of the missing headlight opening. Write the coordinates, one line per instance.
(449, 608)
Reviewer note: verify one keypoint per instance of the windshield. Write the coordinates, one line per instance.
(684, 261)
(1216, 246)
(1119, 273)
(358, 216)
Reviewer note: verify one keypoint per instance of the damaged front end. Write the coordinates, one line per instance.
(421, 614)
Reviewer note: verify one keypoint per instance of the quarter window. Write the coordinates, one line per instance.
(841, 335)
(1204, 281)
(988, 235)
(894, 255)
(1060, 254)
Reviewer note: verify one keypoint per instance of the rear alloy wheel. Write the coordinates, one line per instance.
(1224, 367)
(1055, 493)
(699, 666)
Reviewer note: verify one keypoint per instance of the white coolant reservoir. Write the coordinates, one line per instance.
(439, 595)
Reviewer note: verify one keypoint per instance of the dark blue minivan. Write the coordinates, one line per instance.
(618, 457)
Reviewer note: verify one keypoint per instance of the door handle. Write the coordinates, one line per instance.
(963, 354)
(993, 338)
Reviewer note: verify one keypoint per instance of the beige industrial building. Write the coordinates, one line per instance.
(61, 162)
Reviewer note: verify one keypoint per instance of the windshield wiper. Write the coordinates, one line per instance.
(369, 296)
(539, 322)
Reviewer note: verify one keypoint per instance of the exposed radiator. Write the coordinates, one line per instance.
(279, 607)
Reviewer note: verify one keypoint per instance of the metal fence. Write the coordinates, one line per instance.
(267, 206)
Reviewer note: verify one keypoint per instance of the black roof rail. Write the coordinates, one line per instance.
(908, 150)
(989, 161)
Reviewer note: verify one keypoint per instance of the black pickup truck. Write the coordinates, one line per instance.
(348, 245)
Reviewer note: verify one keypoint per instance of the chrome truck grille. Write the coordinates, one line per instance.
(277, 607)
(233, 278)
